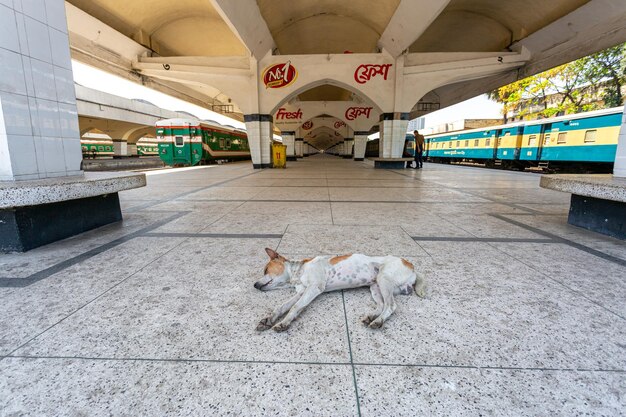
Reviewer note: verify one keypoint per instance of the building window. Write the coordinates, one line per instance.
(562, 138)
(590, 136)
(532, 140)
(178, 141)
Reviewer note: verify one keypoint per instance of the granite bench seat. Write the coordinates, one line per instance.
(598, 201)
(37, 212)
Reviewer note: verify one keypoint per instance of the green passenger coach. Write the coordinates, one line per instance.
(186, 142)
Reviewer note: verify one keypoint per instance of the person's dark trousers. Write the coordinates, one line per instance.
(418, 160)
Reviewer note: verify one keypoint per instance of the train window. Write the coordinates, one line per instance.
(222, 143)
(562, 138)
(546, 139)
(487, 141)
(179, 141)
(228, 143)
(466, 143)
(450, 144)
(100, 148)
(475, 142)
(499, 141)
(532, 140)
(590, 136)
(458, 143)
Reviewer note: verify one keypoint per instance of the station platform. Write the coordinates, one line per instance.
(524, 313)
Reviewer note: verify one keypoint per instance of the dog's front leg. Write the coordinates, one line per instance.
(308, 295)
(269, 321)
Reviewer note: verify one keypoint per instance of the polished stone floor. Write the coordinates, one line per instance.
(524, 315)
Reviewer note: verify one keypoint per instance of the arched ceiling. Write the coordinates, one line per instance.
(181, 27)
(195, 28)
(326, 26)
(489, 25)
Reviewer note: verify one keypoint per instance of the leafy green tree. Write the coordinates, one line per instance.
(569, 88)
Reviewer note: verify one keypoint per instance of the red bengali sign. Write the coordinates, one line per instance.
(354, 112)
(365, 72)
(279, 75)
(307, 125)
(339, 124)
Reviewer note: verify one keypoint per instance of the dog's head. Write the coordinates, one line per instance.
(275, 275)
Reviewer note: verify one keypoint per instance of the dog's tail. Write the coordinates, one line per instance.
(420, 285)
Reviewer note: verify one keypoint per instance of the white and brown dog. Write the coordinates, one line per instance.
(385, 275)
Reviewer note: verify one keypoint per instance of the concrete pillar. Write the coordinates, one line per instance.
(360, 143)
(348, 144)
(289, 140)
(39, 134)
(120, 148)
(299, 146)
(619, 170)
(393, 128)
(259, 129)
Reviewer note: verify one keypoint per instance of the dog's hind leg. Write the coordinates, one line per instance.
(308, 295)
(269, 321)
(389, 303)
(378, 299)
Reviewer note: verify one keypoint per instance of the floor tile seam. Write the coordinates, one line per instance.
(586, 249)
(572, 290)
(216, 235)
(418, 244)
(312, 363)
(354, 379)
(221, 217)
(94, 299)
(173, 198)
(513, 205)
(482, 239)
(54, 269)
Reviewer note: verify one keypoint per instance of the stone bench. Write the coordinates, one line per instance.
(37, 212)
(598, 201)
(390, 163)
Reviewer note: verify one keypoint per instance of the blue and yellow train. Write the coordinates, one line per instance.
(579, 141)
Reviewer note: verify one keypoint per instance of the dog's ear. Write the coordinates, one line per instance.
(271, 253)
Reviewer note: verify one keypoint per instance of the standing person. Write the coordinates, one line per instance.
(419, 149)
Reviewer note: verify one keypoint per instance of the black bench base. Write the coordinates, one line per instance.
(389, 164)
(26, 228)
(602, 216)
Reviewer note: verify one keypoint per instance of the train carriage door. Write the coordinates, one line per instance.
(497, 153)
(544, 138)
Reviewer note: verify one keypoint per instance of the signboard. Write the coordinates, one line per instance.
(365, 72)
(279, 75)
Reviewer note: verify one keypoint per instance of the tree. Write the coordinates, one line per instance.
(570, 88)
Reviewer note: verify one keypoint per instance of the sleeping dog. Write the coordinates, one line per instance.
(385, 275)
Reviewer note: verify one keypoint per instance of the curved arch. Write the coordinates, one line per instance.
(325, 116)
(325, 81)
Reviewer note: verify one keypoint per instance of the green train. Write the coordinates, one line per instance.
(185, 142)
(102, 148)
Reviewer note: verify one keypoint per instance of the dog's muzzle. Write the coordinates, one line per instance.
(260, 286)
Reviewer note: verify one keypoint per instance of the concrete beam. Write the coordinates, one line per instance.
(245, 20)
(411, 19)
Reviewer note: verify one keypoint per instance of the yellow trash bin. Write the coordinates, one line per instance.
(279, 155)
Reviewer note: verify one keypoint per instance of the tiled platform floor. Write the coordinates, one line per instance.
(525, 315)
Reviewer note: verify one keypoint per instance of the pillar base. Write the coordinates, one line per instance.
(602, 216)
(26, 228)
(347, 156)
(359, 159)
(261, 166)
(292, 158)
